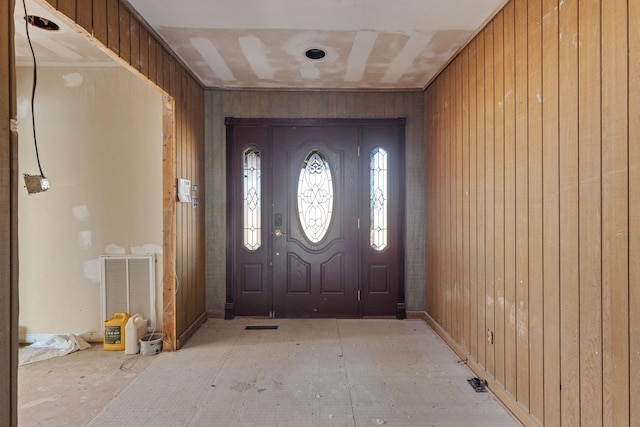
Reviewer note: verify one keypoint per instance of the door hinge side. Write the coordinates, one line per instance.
(358, 223)
(272, 314)
(358, 294)
(358, 151)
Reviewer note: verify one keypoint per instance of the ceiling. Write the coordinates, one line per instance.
(368, 44)
(66, 47)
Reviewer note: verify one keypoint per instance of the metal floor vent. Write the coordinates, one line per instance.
(254, 327)
(478, 385)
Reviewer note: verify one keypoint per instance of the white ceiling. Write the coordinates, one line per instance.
(369, 44)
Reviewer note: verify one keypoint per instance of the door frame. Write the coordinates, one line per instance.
(232, 215)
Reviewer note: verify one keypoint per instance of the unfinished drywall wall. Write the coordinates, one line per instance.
(99, 134)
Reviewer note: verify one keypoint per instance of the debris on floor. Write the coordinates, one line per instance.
(56, 346)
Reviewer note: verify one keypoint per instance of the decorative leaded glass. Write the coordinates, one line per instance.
(315, 196)
(378, 228)
(251, 199)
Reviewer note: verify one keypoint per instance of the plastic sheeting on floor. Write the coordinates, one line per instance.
(56, 346)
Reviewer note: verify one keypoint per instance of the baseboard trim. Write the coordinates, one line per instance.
(416, 315)
(191, 330)
(518, 411)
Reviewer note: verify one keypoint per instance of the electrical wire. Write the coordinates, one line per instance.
(28, 20)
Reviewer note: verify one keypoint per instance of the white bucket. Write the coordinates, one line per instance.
(150, 344)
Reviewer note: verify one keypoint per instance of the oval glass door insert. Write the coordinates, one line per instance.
(315, 196)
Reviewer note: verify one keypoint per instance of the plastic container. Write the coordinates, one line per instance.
(150, 344)
(114, 331)
(136, 328)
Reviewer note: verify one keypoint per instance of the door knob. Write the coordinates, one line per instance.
(278, 233)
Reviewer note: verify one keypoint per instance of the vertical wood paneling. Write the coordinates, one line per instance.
(569, 215)
(510, 200)
(459, 270)
(551, 214)
(448, 194)
(144, 52)
(498, 105)
(153, 70)
(113, 25)
(615, 211)
(489, 148)
(521, 307)
(466, 334)
(67, 7)
(134, 43)
(440, 229)
(99, 20)
(124, 26)
(480, 203)
(634, 209)
(549, 180)
(473, 198)
(84, 16)
(590, 213)
(535, 214)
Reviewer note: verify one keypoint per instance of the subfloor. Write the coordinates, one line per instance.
(307, 372)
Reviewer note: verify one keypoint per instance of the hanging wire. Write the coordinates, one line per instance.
(29, 20)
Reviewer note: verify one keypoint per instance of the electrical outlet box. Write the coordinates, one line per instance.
(36, 183)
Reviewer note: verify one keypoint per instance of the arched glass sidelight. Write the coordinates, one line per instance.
(315, 196)
(378, 199)
(251, 196)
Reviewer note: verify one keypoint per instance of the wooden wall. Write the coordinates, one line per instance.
(127, 36)
(8, 222)
(533, 209)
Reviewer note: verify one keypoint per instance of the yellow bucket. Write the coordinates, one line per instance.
(114, 332)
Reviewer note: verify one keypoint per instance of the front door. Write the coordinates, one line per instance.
(315, 218)
(315, 221)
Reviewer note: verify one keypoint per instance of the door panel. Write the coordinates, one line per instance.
(383, 270)
(315, 279)
(323, 260)
(249, 270)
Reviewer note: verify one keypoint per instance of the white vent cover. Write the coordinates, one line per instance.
(128, 286)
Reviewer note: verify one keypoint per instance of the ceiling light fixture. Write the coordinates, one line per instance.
(315, 53)
(42, 23)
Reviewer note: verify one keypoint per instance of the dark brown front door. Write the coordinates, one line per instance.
(315, 253)
(315, 218)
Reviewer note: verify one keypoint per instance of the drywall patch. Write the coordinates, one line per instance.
(23, 107)
(91, 270)
(149, 248)
(73, 79)
(80, 212)
(85, 239)
(114, 250)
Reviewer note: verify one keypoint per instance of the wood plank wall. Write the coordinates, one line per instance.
(8, 222)
(124, 32)
(533, 209)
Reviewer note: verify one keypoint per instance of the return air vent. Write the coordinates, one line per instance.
(128, 285)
